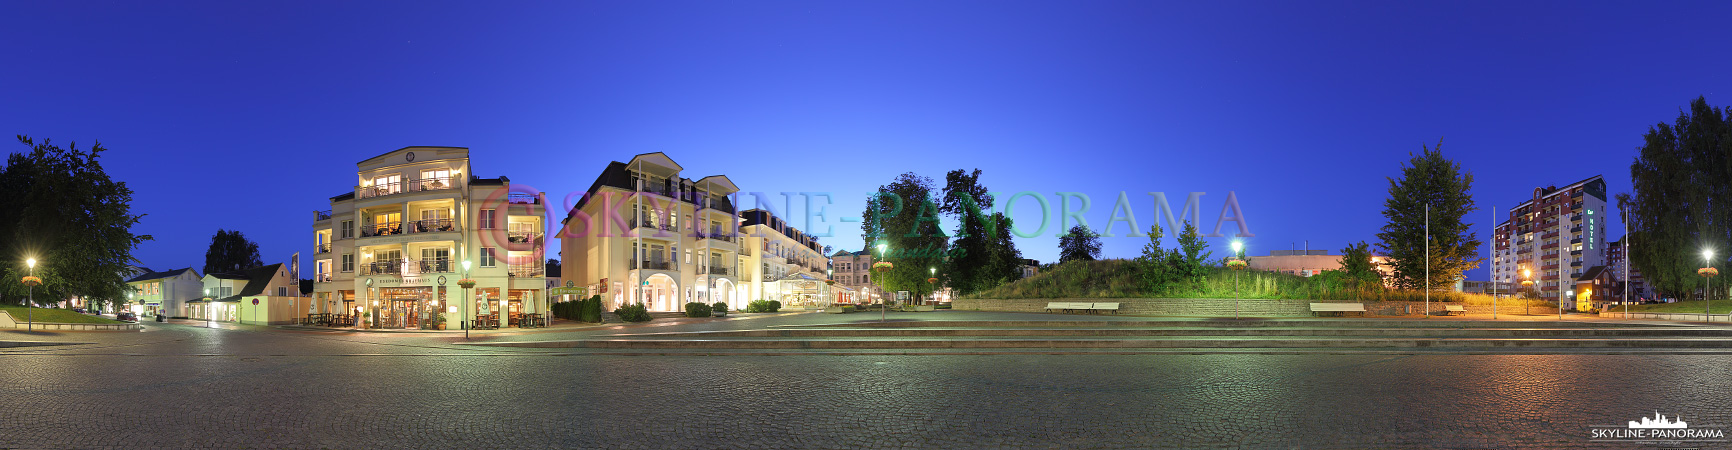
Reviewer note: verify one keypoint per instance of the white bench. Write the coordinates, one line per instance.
(1082, 306)
(1447, 309)
(1343, 308)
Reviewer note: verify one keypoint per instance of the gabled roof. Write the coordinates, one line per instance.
(429, 147)
(260, 277)
(160, 275)
(717, 183)
(1591, 273)
(658, 159)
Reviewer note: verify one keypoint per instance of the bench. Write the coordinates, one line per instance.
(1342, 308)
(1447, 309)
(1082, 306)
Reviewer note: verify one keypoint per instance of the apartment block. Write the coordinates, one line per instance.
(392, 249)
(1553, 238)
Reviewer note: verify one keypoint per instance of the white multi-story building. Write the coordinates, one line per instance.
(644, 234)
(165, 292)
(784, 264)
(392, 249)
(1556, 235)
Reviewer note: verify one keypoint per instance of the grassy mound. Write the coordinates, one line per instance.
(1120, 278)
(51, 315)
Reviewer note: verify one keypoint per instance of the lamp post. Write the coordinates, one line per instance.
(465, 322)
(30, 305)
(1528, 282)
(1237, 246)
(932, 285)
(883, 303)
(1707, 284)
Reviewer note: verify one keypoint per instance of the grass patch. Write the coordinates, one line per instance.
(1686, 307)
(50, 315)
(1120, 278)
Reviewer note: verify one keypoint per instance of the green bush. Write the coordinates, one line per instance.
(719, 306)
(635, 312)
(589, 310)
(695, 309)
(763, 306)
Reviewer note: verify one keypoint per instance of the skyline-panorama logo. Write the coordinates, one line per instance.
(1659, 429)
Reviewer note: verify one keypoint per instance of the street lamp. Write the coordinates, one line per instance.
(1237, 247)
(29, 307)
(933, 285)
(1707, 284)
(465, 322)
(1527, 281)
(883, 303)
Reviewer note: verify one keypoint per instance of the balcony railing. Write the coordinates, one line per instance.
(431, 265)
(322, 248)
(723, 271)
(386, 267)
(717, 235)
(414, 185)
(381, 229)
(650, 265)
(634, 223)
(528, 270)
(432, 225)
(321, 215)
(321, 278)
(522, 199)
(522, 236)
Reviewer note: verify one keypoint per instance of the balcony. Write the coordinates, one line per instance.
(322, 248)
(717, 235)
(432, 226)
(431, 265)
(522, 199)
(321, 278)
(522, 236)
(381, 229)
(420, 185)
(386, 267)
(525, 270)
(634, 223)
(723, 271)
(650, 265)
(321, 215)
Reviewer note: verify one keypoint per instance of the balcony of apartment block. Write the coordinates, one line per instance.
(719, 235)
(526, 270)
(321, 216)
(719, 271)
(322, 277)
(321, 248)
(652, 227)
(433, 184)
(1576, 241)
(653, 264)
(408, 267)
(377, 229)
(1575, 252)
(1576, 264)
(522, 237)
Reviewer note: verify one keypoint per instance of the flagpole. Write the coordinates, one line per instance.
(1428, 260)
(1494, 268)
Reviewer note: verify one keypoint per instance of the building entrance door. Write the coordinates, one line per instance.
(404, 307)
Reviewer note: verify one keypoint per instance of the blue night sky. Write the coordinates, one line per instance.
(247, 116)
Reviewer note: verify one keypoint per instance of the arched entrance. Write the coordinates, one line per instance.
(724, 292)
(660, 293)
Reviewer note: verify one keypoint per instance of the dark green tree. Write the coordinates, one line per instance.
(1079, 244)
(1429, 179)
(60, 207)
(230, 252)
(1157, 272)
(1679, 208)
(1358, 269)
(1192, 259)
(903, 215)
(983, 254)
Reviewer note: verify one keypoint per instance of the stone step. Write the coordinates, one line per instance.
(1199, 331)
(1105, 322)
(1194, 342)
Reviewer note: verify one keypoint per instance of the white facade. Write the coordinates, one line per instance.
(392, 250)
(1556, 235)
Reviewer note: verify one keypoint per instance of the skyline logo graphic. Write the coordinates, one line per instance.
(1659, 421)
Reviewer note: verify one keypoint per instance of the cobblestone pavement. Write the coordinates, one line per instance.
(182, 386)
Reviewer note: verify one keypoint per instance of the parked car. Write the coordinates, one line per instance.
(78, 310)
(126, 317)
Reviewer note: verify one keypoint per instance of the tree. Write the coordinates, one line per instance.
(1429, 179)
(1192, 257)
(1358, 268)
(60, 207)
(903, 215)
(1678, 207)
(1157, 273)
(983, 254)
(1079, 244)
(230, 252)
